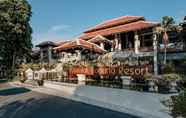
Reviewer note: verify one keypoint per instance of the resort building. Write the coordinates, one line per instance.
(78, 50)
(131, 37)
(128, 40)
(46, 50)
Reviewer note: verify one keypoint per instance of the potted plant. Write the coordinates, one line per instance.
(40, 82)
(173, 79)
(22, 77)
(179, 105)
(163, 86)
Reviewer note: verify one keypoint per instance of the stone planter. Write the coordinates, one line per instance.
(173, 86)
(151, 85)
(40, 82)
(81, 79)
(126, 81)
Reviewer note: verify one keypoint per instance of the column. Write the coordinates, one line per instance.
(41, 55)
(79, 54)
(102, 45)
(136, 43)
(50, 54)
(116, 42)
(119, 42)
(155, 57)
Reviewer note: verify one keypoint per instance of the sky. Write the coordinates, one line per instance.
(59, 20)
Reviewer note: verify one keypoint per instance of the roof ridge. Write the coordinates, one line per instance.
(111, 20)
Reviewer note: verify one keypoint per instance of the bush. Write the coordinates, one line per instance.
(148, 76)
(172, 77)
(168, 68)
(179, 105)
(40, 82)
(22, 80)
(163, 86)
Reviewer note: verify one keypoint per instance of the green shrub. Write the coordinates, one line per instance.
(148, 76)
(163, 86)
(172, 77)
(22, 80)
(179, 105)
(168, 68)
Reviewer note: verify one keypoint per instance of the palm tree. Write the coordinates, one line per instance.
(167, 24)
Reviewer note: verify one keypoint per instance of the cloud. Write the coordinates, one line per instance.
(61, 27)
(180, 16)
(41, 37)
(54, 33)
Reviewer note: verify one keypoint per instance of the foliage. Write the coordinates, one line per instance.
(163, 86)
(148, 76)
(172, 77)
(15, 32)
(168, 23)
(179, 105)
(168, 68)
(66, 66)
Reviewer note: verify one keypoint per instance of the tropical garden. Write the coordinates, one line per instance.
(15, 34)
(16, 47)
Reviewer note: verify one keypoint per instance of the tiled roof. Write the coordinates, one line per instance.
(115, 22)
(80, 43)
(121, 28)
(46, 43)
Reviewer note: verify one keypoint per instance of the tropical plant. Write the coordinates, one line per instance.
(148, 76)
(179, 105)
(168, 68)
(15, 32)
(172, 77)
(168, 23)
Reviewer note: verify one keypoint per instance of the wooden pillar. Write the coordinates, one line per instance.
(126, 39)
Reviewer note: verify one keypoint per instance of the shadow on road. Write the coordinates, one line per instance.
(56, 107)
(13, 91)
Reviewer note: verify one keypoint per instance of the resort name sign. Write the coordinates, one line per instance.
(112, 71)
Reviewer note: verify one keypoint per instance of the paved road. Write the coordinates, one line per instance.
(29, 104)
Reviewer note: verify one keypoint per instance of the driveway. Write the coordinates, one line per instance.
(23, 103)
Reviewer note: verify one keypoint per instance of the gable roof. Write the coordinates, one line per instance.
(100, 39)
(121, 28)
(80, 43)
(115, 22)
(46, 43)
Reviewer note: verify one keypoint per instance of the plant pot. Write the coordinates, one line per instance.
(40, 82)
(22, 80)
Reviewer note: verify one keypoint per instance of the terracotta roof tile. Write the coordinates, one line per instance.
(80, 43)
(116, 22)
(121, 28)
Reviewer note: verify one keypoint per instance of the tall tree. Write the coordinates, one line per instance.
(15, 32)
(167, 24)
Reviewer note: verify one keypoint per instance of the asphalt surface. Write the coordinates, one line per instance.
(22, 103)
